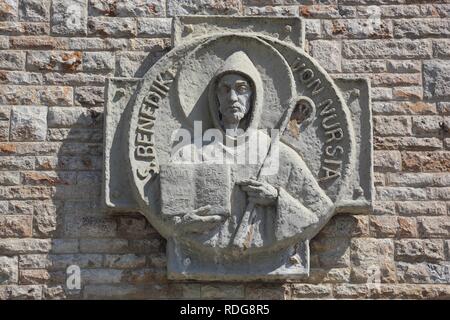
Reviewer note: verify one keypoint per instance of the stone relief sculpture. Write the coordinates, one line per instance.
(263, 208)
(240, 148)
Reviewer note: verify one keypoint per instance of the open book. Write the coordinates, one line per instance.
(186, 187)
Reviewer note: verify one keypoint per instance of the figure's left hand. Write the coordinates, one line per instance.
(259, 192)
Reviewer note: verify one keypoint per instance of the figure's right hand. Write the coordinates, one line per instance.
(202, 219)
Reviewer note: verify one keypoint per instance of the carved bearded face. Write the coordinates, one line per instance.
(234, 94)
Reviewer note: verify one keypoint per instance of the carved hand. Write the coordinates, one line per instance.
(259, 192)
(202, 219)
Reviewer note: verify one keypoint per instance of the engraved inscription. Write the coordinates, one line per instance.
(145, 139)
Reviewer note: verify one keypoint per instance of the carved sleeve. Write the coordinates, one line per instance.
(301, 203)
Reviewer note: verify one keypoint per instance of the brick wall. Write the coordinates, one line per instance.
(54, 59)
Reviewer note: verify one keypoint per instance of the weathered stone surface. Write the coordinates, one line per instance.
(65, 246)
(185, 7)
(12, 163)
(436, 78)
(127, 291)
(418, 28)
(265, 292)
(332, 252)
(351, 291)
(387, 161)
(385, 207)
(9, 270)
(428, 208)
(18, 246)
(31, 95)
(310, 291)
(90, 227)
(139, 8)
(100, 276)
(402, 108)
(67, 61)
(372, 260)
(21, 292)
(74, 134)
(12, 60)
(327, 53)
(74, 117)
(400, 193)
(407, 143)
(423, 273)
(220, 291)
(419, 250)
(313, 29)
(15, 226)
(128, 261)
(34, 261)
(34, 10)
(419, 179)
(154, 27)
(441, 48)
(98, 61)
(409, 291)
(54, 293)
(333, 275)
(358, 28)
(128, 63)
(404, 66)
(111, 27)
(326, 10)
(363, 66)
(69, 17)
(392, 126)
(389, 227)
(37, 276)
(430, 125)
(45, 219)
(9, 178)
(18, 207)
(84, 261)
(374, 49)
(8, 9)
(14, 28)
(278, 11)
(408, 93)
(433, 227)
(28, 123)
(104, 245)
(134, 227)
(346, 226)
(89, 96)
(426, 161)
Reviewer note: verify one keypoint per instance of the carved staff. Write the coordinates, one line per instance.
(244, 233)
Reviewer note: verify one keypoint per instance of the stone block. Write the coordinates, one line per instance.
(327, 53)
(372, 260)
(34, 10)
(98, 61)
(9, 270)
(203, 7)
(9, 10)
(436, 78)
(154, 27)
(15, 226)
(28, 123)
(112, 27)
(12, 60)
(69, 17)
